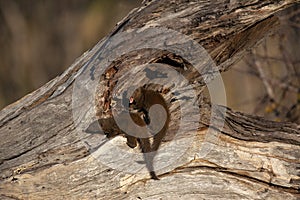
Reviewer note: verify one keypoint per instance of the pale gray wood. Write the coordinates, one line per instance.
(44, 156)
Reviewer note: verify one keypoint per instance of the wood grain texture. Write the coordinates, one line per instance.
(44, 156)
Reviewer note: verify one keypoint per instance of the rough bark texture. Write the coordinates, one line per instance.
(44, 156)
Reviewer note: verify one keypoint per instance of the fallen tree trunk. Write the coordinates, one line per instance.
(45, 152)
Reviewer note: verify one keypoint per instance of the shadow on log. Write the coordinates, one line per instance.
(45, 154)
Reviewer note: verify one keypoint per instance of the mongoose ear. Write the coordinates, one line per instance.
(131, 100)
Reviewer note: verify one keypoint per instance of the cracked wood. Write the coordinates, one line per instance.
(43, 157)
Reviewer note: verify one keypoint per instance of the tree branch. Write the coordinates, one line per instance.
(43, 154)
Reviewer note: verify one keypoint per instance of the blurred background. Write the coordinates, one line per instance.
(266, 82)
(40, 38)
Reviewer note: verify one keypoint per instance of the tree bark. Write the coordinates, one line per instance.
(45, 155)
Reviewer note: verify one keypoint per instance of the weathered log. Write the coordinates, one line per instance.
(45, 154)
